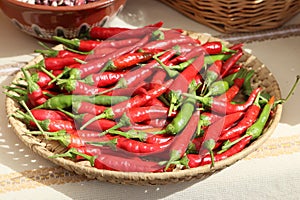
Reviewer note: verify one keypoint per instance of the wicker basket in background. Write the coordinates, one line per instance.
(229, 16)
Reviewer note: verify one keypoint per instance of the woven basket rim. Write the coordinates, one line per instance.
(142, 178)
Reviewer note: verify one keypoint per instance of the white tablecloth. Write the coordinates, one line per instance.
(272, 172)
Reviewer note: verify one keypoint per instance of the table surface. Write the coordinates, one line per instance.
(272, 172)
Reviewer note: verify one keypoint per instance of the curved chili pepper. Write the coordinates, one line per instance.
(181, 142)
(250, 117)
(228, 64)
(227, 107)
(257, 128)
(232, 91)
(107, 159)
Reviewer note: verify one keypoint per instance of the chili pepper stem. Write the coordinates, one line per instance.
(171, 73)
(121, 84)
(174, 156)
(227, 145)
(65, 71)
(111, 143)
(101, 116)
(31, 115)
(71, 154)
(209, 145)
(281, 101)
(124, 121)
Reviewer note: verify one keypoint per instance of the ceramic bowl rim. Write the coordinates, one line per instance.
(96, 4)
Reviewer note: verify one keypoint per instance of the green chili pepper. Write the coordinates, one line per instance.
(257, 128)
(66, 101)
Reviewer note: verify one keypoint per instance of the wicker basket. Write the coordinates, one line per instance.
(45, 148)
(229, 16)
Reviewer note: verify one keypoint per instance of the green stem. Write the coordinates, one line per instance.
(31, 115)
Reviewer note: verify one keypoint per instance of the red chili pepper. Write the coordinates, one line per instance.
(182, 81)
(77, 87)
(155, 102)
(53, 125)
(97, 65)
(141, 148)
(156, 123)
(158, 139)
(196, 160)
(43, 114)
(207, 119)
(82, 107)
(42, 79)
(128, 60)
(103, 78)
(220, 106)
(97, 125)
(78, 44)
(229, 63)
(250, 117)
(132, 91)
(35, 93)
(213, 72)
(104, 33)
(209, 48)
(140, 114)
(122, 163)
(133, 78)
(73, 139)
(166, 44)
(232, 91)
(119, 43)
(236, 46)
(181, 142)
(54, 63)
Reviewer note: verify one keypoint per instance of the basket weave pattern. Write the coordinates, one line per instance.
(236, 15)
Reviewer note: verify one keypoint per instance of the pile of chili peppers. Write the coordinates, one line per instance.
(142, 100)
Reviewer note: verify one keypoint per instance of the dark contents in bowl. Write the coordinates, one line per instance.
(58, 2)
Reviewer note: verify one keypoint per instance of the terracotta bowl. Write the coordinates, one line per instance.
(43, 21)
